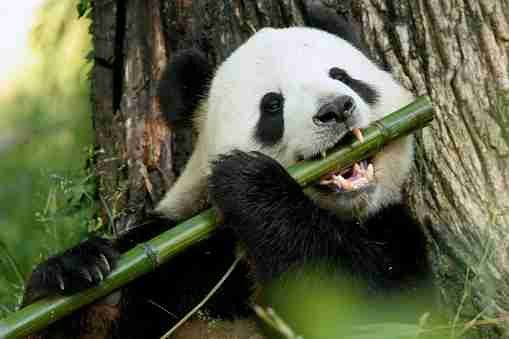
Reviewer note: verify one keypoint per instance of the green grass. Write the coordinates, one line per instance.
(45, 139)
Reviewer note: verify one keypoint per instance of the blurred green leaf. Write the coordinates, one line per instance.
(11, 282)
(83, 7)
(317, 307)
(45, 138)
(386, 330)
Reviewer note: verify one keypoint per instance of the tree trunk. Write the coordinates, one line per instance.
(455, 51)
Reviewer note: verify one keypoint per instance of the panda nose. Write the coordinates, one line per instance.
(337, 111)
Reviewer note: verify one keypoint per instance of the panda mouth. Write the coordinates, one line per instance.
(354, 178)
(357, 177)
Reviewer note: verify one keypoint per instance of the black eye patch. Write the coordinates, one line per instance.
(270, 127)
(363, 89)
(339, 74)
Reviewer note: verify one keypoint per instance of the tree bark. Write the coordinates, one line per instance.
(455, 51)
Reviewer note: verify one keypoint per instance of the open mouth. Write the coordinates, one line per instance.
(354, 178)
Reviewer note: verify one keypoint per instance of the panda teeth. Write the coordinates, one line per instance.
(358, 134)
(359, 175)
(343, 183)
(357, 169)
(326, 182)
(370, 172)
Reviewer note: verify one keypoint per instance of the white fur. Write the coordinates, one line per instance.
(294, 62)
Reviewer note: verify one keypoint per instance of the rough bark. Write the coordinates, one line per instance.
(134, 145)
(133, 142)
(455, 51)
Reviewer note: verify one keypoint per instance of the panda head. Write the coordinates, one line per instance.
(293, 94)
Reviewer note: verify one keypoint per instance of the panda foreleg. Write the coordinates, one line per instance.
(279, 225)
(78, 268)
(88, 263)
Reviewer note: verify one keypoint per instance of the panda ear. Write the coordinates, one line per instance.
(183, 84)
(319, 16)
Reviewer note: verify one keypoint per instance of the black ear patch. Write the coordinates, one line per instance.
(183, 84)
(319, 16)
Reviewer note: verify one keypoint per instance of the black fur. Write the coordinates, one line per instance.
(319, 16)
(86, 264)
(364, 90)
(280, 226)
(283, 229)
(343, 25)
(271, 125)
(183, 84)
(76, 269)
(185, 280)
(160, 299)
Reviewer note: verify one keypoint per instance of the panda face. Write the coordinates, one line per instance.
(268, 94)
(293, 94)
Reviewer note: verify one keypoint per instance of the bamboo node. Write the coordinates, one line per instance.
(151, 254)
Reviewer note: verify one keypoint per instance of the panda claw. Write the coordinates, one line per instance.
(105, 261)
(98, 274)
(78, 268)
(86, 274)
(358, 134)
(61, 283)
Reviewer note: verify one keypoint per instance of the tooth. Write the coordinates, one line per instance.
(370, 172)
(358, 134)
(343, 183)
(324, 154)
(360, 183)
(61, 284)
(105, 262)
(347, 185)
(338, 177)
(356, 169)
(326, 182)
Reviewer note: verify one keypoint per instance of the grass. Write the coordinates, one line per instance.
(45, 140)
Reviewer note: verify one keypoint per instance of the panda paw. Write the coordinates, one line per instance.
(242, 181)
(80, 267)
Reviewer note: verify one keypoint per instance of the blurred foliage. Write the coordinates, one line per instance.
(309, 304)
(83, 7)
(45, 139)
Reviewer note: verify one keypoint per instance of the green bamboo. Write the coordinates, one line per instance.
(147, 256)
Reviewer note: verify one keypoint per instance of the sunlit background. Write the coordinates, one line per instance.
(45, 136)
(15, 24)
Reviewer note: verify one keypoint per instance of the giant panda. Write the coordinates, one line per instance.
(285, 95)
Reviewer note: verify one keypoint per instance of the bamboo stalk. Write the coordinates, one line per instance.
(147, 256)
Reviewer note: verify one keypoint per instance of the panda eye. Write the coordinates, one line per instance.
(338, 74)
(272, 103)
